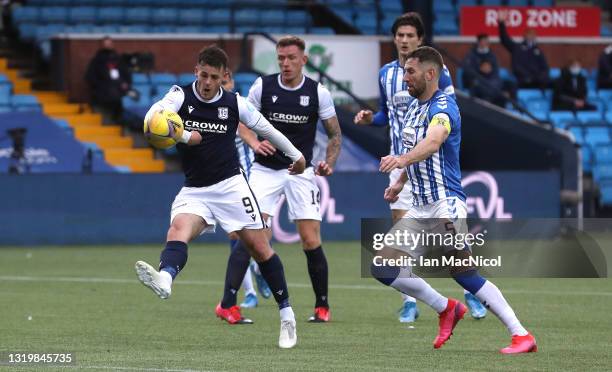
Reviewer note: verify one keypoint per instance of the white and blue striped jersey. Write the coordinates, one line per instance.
(438, 176)
(394, 100)
(245, 155)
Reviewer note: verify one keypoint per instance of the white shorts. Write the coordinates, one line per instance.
(231, 203)
(405, 197)
(445, 216)
(301, 191)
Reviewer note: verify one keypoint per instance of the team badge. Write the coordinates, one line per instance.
(304, 100)
(223, 113)
(274, 98)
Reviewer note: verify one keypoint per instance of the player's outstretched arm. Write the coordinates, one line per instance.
(334, 143)
(264, 147)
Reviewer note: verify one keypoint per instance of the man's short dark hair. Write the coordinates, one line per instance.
(289, 40)
(409, 19)
(213, 56)
(428, 54)
(482, 36)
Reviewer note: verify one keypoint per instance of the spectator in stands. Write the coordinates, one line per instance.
(481, 74)
(604, 70)
(528, 62)
(109, 80)
(570, 89)
(473, 60)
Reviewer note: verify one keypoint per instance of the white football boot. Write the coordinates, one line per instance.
(151, 278)
(288, 335)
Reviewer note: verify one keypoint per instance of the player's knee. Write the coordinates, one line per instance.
(384, 273)
(260, 250)
(178, 232)
(470, 280)
(311, 242)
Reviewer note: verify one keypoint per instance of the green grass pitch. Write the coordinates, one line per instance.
(87, 300)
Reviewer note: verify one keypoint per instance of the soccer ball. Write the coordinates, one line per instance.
(162, 128)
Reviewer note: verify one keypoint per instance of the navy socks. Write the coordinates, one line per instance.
(317, 269)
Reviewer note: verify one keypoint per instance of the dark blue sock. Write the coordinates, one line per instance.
(470, 280)
(173, 258)
(274, 274)
(385, 274)
(237, 265)
(317, 269)
(232, 242)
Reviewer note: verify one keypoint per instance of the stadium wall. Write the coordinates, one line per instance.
(62, 209)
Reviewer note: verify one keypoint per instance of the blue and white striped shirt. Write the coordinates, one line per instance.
(438, 176)
(245, 155)
(394, 100)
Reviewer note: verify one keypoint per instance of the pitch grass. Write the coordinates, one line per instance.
(87, 300)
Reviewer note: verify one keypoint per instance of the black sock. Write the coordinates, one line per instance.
(237, 265)
(173, 258)
(317, 269)
(274, 274)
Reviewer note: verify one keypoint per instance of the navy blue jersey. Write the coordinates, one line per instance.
(294, 113)
(215, 159)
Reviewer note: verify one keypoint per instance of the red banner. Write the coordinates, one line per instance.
(557, 21)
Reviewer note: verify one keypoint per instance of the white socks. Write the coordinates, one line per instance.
(247, 283)
(417, 287)
(286, 313)
(491, 297)
(407, 298)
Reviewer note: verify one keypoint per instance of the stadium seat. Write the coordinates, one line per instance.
(272, 18)
(491, 2)
(110, 15)
(346, 15)
(543, 2)
(25, 14)
(134, 29)
(56, 14)
(186, 78)
(603, 154)
(608, 116)
(322, 31)
(140, 78)
(391, 6)
(5, 95)
(554, 73)
(140, 15)
(163, 78)
(461, 3)
(443, 6)
(602, 171)
(164, 16)
(245, 78)
(246, 17)
(298, 18)
(82, 14)
(588, 116)
(605, 189)
(539, 107)
(163, 29)
(578, 134)
(526, 95)
(587, 159)
(273, 29)
(597, 136)
(188, 29)
(193, 16)
(219, 17)
(25, 102)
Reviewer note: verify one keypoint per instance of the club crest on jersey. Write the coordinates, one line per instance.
(304, 100)
(223, 113)
(274, 98)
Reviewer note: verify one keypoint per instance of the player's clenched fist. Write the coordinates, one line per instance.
(392, 192)
(324, 169)
(363, 117)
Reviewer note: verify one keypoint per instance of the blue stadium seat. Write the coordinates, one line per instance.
(250, 28)
(82, 14)
(442, 27)
(605, 94)
(608, 116)
(25, 102)
(491, 2)
(140, 78)
(297, 18)
(526, 95)
(367, 23)
(193, 16)
(597, 136)
(24, 14)
(187, 29)
(163, 29)
(245, 78)
(272, 18)
(554, 72)
(602, 171)
(587, 116)
(538, 105)
(105, 29)
(606, 193)
(295, 30)
(45, 32)
(603, 154)
(346, 15)
(246, 17)
(578, 134)
(561, 119)
(543, 2)
(110, 15)
(273, 29)
(140, 15)
(163, 78)
(606, 31)
(505, 74)
(215, 29)
(322, 31)
(27, 31)
(443, 6)
(186, 78)
(143, 100)
(520, 2)
(391, 6)
(165, 15)
(219, 16)
(56, 14)
(461, 3)
(134, 29)
(5, 95)
(587, 159)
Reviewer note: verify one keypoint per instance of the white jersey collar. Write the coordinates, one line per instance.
(280, 83)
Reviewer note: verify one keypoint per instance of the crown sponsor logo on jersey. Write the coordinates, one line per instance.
(304, 100)
(190, 108)
(223, 113)
(274, 98)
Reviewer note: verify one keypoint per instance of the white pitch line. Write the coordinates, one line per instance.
(60, 279)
